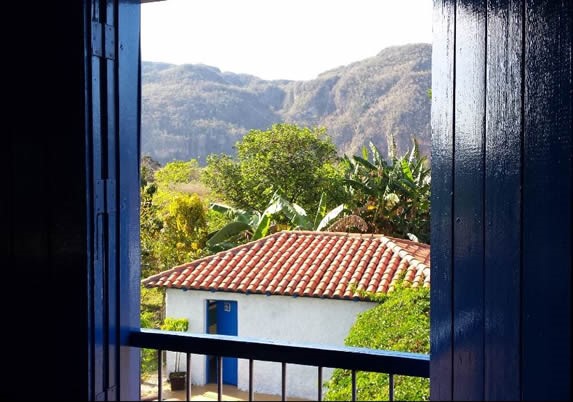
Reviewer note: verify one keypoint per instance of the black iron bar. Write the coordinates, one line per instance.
(353, 385)
(283, 381)
(251, 391)
(219, 378)
(390, 387)
(159, 375)
(188, 379)
(319, 399)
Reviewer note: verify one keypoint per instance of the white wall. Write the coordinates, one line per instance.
(284, 318)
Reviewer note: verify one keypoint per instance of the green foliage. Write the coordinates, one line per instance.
(401, 322)
(148, 168)
(173, 223)
(152, 307)
(151, 317)
(177, 172)
(280, 214)
(296, 161)
(173, 230)
(148, 363)
(176, 324)
(223, 176)
(393, 198)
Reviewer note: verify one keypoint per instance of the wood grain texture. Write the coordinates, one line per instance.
(443, 52)
(547, 202)
(503, 165)
(129, 83)
(468, 226)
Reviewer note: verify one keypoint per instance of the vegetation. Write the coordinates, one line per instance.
(401, 322)
(151, 317)
(177, 173)
(393, 198)
(298, 162)
(173, 230)
(148, 168)
(176, 324)
(278, 175)
(173, 223)
(280, 214)
(290, 176)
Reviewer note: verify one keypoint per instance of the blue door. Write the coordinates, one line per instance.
(227, 325)
(222, 320)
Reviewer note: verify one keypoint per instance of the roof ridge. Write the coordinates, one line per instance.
(417, 243)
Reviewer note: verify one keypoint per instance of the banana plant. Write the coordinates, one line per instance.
(393, 198)
(279, 214)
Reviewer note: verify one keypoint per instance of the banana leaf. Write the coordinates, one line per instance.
(330, 216)
(226, 232)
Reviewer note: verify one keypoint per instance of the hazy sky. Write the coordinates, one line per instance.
(279, 39)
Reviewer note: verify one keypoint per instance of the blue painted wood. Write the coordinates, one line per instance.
(468, 252)
(352, 358)
(115, 172)
(547, 202)
(227, 324)
(90, 227)
(128, 59)
(443, 50)
(98, 268)
(110, 172)
(503, 200)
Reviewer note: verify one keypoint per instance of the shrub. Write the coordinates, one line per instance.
(401, 322)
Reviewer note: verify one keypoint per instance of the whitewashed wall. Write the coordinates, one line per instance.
(285, 318)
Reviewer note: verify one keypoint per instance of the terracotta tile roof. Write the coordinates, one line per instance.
(300, 263)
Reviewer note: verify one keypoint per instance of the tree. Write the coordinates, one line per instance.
(299, 162)
(173, 223)
(180, 231)
(177, 172)
(393, 198)
(148, 168)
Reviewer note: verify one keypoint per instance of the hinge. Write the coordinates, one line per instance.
(109, 39)
(103, 40)
(105, 196)
(99, 196)
(110, 196)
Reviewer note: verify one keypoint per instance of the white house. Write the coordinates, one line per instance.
(298, 286)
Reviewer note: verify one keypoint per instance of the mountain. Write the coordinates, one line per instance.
(190, 111)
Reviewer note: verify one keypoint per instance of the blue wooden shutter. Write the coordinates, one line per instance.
(501, 200)
(113, 148)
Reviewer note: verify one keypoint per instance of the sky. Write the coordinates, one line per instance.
(279, 39)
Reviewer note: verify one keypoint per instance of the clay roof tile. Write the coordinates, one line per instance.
(309, 264)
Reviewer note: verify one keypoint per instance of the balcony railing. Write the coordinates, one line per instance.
(319, 356)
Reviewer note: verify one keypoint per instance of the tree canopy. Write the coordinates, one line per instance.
(173, 223)
(299, 162)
